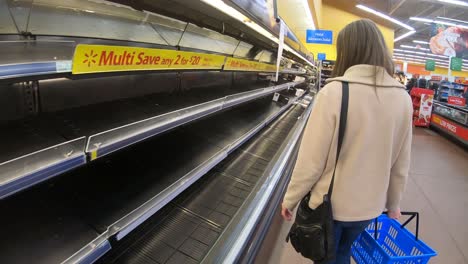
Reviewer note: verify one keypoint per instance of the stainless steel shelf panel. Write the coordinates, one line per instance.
(185, 230)
(38, 229)
(114, 139)
(117, 138)
(91, 252)
(34, 68)
(232, 240)
(294, 71)
(25, 171)
(113, 196)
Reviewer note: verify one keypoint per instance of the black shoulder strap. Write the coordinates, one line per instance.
(341, 131)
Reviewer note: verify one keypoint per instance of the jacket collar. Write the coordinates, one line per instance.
(364, 74)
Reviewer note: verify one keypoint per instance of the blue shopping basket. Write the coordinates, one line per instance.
(385, 241)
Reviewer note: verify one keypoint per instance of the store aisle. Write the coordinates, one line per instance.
(437, 188)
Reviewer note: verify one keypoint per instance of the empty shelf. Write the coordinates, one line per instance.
(114, 195)
(187, 229)
(33, 152)
(52, 144)
(40, 230)
(113, 126)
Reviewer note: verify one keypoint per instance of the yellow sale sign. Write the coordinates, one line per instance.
(100, 58)
(234, 64)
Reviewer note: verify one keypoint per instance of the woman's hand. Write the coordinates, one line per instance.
(394, 214)
(286, 213)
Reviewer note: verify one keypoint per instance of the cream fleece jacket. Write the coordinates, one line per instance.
(375, 157)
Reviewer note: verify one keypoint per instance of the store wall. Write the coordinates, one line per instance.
(444, 71)
(336, 19)
(420, 69)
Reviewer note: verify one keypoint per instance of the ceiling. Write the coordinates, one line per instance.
(402, 10)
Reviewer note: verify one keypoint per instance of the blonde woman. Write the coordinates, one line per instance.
(374, 161)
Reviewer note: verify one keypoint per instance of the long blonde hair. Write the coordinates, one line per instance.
(361, 42)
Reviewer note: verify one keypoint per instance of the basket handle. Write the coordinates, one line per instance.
(412, 216)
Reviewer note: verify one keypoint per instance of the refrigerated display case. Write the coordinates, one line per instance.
(452, 120)
(99, 152)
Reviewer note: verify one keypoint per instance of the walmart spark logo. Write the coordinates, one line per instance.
(90, 58)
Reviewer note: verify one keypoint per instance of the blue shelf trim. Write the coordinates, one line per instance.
(97, 253)
(34, 68)
(41, 175)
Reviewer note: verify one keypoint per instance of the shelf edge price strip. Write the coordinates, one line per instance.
(234, 64)
(101, 58)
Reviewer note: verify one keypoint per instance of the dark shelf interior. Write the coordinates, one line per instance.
(52, 126)
(184, 231)
(81, 204)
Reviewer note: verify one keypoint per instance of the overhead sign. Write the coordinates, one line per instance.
(235, 64)
(430, 65)
(319, 36)
(321, 56)
(456, 64)
(100, 58)
(449, 41)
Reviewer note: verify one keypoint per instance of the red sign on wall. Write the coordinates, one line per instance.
(453, 100)
(450, 126)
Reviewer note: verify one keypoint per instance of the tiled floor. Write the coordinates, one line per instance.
(437, 188)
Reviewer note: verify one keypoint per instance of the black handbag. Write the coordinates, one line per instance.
(312, 233)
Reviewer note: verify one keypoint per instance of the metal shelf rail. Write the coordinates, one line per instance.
(105, 213)
(109, 141)
(25, 171)
(129, 222)
(232, 243)
(187, 229)
(8, 71)
(294, 71)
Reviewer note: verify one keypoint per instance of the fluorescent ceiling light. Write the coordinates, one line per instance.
(232, 12)
(451, 19)
(305, 3)
(409, 33)
(455, 2)
(440, 22)
(418, 56)
(436, 55)
(415, 52)
(384, 16)
(416, 59)
(422, 19)
(445, 23)
(420, 42)
(403, 58)
(413, 47)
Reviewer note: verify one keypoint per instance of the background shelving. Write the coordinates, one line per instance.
(326, 69)
(447, 89)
